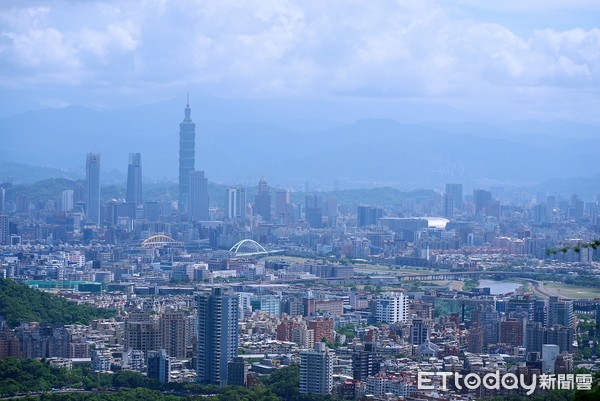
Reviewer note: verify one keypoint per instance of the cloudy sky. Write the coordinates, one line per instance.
(518, 58)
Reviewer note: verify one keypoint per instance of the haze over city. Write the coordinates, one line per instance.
(299, 200)
(418, 90)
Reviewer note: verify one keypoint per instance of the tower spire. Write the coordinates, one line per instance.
(188, 111)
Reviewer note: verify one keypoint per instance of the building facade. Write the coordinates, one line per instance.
(218, 316)
(391, 307)
(134, 179)
(92, 186)
(316, 370)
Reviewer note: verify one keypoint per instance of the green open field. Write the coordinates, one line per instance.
(572, 291)
(394, 271)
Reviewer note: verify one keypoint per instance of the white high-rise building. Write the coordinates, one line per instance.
(316, 370)
(391, 307)
(549, 354)
(66, 200)
(235, 203)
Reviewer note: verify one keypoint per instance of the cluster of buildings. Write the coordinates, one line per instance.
(195, 301)
(348, 339)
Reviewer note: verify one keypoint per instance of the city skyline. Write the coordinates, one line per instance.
(369, 194)
(518, 79)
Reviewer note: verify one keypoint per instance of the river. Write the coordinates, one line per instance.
(499, 287)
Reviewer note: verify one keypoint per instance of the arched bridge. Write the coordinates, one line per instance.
(159, 240)
(248, 247)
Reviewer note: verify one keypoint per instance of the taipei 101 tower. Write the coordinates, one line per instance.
(187, 146)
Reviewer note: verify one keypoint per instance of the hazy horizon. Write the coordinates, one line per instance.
(506, 92)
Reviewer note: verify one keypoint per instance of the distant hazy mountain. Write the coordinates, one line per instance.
(241, 146)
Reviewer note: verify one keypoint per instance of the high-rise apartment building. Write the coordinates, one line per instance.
(4, 229)
(512, 332)
(217, 335)
(134, 179)
(159, 366)
(66, 200)
(391, 307)
(175, 333)
(142, 332)
(187, 151)
(198, 197)
(92, 186)
(365, 362)
(560, 311)
(316, 370)
(419, 331)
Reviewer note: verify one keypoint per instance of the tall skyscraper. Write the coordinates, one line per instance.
(4, 229)
(262, 201)
(134, 179)
(92, 186)
(2, 199)
(368, 215)
(452, 199)
(217, 335)
(235, 202)
(198, 197)
(316, 370)
(482, 199)
(314, 211)
(282, 201)
(331, 211)
(187, 149)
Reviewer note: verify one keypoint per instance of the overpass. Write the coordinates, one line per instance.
(439, 276)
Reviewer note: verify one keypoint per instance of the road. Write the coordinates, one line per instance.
(541, 289)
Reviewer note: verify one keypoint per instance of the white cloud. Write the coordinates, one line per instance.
(117, 37)
(416, 48)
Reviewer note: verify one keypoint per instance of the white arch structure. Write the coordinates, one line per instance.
(258, 248)
(159, 240)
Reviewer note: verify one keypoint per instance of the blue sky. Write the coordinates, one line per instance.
(537, 59)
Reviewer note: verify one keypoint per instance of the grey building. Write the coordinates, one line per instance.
(198, 199)
(316, 370)
(92, 188)
(217, 335)
(159, 366)
(262, 201)
(134, 179)
(560, 311)
(452, 199)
